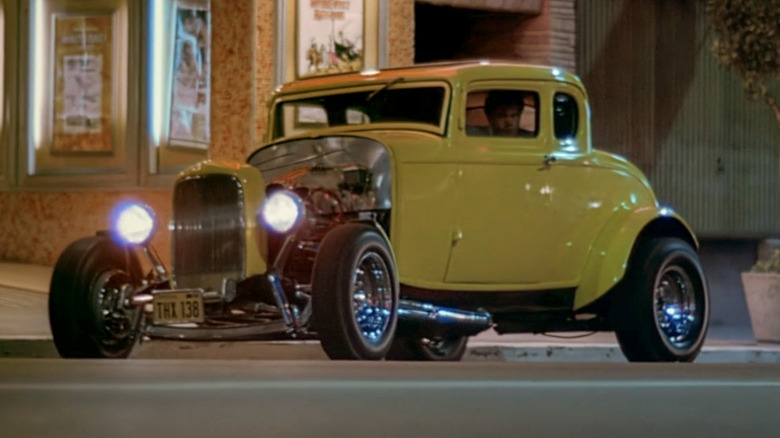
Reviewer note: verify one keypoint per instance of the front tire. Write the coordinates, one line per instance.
(355, 293)
(85, 313)
(661, 312)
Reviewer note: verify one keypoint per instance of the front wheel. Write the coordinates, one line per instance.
(355, 293)
(661, 312)
(86, 313)
(437, 349)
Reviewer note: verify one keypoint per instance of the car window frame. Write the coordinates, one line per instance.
(580, 143)
(537, 120)
(538, 144)
(440, 129)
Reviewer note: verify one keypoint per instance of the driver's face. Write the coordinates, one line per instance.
(505, 120)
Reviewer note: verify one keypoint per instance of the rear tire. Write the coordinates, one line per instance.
(355, 293)
(87, 320)
(661, 312)
(449, 349)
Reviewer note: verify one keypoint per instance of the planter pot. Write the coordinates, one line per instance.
(762, 294)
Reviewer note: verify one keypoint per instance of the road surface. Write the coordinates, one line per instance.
(235, 398)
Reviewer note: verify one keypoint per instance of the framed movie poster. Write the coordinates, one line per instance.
(330, 37)
(190, 73)
(83, 84)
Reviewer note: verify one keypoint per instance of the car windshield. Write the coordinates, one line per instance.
(391, 103)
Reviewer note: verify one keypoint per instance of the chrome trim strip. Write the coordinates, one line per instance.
(215, 333)
(209, 296)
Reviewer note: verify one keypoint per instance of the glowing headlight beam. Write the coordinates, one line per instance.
(133, 223)
(282, 211)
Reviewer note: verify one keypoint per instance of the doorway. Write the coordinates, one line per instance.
(446, 33)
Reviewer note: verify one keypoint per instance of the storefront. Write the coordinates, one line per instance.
(104, 100)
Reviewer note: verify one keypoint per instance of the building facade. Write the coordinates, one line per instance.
(54, 188)
(105, 100)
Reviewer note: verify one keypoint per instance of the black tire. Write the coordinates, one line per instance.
(661, 312)
(347, 329)
(85, 317)
(449, 349)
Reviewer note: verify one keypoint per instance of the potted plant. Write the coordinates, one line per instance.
(762, 294)
(745, 41)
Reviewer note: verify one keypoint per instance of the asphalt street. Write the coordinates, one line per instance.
(184, 398)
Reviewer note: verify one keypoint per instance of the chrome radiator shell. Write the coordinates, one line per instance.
(208, 239)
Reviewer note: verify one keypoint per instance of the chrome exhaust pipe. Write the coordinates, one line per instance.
(430, 320)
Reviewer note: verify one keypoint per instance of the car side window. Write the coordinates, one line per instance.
(502, 113)
(566, 115)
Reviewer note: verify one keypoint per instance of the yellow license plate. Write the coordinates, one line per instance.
(171, 307)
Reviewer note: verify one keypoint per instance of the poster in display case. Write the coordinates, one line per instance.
(330, 37)
(83, 84)
(190, 76)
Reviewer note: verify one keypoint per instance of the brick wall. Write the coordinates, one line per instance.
(549, 38)
(532, 31)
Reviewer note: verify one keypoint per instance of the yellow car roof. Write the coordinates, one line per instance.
(463, 71)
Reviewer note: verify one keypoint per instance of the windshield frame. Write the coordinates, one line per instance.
(440, 128)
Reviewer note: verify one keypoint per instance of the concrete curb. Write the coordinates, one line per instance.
(609, 353)
(310, 350)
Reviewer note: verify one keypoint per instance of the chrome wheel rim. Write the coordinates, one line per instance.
(677, 314)
(113, 320)
(372, 297)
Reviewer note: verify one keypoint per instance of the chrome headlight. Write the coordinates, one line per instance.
(133, 223)
(282, 211)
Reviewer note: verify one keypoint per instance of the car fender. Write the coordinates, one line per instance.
(610, 252)
(374, 224)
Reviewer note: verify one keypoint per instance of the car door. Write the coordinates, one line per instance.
(503, 220)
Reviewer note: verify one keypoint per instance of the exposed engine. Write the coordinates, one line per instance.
(339, 179)
(330, 191)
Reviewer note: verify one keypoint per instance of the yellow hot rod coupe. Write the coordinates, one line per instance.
(392, 214)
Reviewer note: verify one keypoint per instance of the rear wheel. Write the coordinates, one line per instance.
(86, 313)
(661, 313)
(355, 293)
(439, 349)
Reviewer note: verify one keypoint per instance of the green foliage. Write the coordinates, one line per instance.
(747, 39)
(772, 264)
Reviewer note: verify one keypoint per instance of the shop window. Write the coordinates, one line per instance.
(320, 38)
(77, 116)
(115, 93)
(178, 87)
(5, 99)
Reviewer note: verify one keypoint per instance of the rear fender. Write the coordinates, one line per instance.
(609, 254)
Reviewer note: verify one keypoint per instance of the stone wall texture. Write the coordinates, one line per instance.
(400, 33)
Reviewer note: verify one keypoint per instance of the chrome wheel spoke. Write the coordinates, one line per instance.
(114, 320)
(675, 306)
(372, 297)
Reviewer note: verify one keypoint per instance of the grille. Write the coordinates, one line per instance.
(208, 239)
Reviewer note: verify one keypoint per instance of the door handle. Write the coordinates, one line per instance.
(548, 160)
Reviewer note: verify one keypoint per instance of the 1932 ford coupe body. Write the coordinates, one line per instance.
(387, 219)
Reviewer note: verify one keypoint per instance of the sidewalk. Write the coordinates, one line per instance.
(24, 332)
